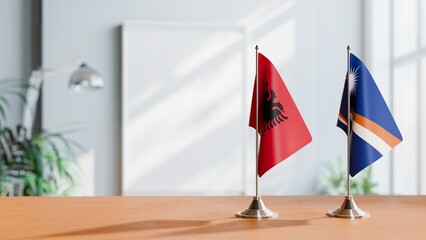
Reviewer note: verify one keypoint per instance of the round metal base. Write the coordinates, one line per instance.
(257, 209)
(348, 209)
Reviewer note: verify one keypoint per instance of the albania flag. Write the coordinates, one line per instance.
(282, 129)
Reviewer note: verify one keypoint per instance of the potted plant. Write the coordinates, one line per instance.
(334, 180)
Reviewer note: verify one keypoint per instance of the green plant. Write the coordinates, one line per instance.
(334, 181)
(43, 164)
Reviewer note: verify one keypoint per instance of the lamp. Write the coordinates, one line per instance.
(82, 77)
(86, 77)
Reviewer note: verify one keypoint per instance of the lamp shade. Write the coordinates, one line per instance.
(86, 77)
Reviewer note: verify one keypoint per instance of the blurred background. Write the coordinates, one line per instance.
(172, 116)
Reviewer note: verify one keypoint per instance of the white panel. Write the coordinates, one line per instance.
(422, 144)
(377, 52)
(182, 109)
(423, 22)
(405, 27)
(85, 174)
(406, 116)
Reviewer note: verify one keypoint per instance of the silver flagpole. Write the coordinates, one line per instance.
(257, 208)
(257, 121)
(348, 120)
(348, 209)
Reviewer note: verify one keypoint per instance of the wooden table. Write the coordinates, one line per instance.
(301, 217)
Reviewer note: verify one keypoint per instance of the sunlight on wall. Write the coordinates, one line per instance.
(203, 53)
(266, 13)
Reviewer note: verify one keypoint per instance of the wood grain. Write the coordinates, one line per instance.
(300, 217)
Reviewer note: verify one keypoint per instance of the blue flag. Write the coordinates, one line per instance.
(373, 130)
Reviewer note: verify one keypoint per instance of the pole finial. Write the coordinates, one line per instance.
(257, 47)
(348, 48)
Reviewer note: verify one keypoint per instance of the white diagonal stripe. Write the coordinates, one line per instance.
(371, 138)
(342, 120)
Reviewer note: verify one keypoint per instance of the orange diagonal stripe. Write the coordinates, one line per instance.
(390, 139)
(343, 119)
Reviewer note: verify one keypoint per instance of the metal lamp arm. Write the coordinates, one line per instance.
(33, 93)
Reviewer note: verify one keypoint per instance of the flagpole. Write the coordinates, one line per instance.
(348, 119)
(257, 208)
(257, 122)
(348, 209)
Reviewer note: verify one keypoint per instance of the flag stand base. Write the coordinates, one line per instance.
(257, 209)
(348, 209)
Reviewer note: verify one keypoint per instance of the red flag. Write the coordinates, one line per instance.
(281, 127)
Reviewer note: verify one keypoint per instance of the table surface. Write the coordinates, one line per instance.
(300, 217)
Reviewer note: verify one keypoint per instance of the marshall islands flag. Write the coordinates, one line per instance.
(373, 131)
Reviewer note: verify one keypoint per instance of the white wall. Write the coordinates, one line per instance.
(15, 47)
(305, 39)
